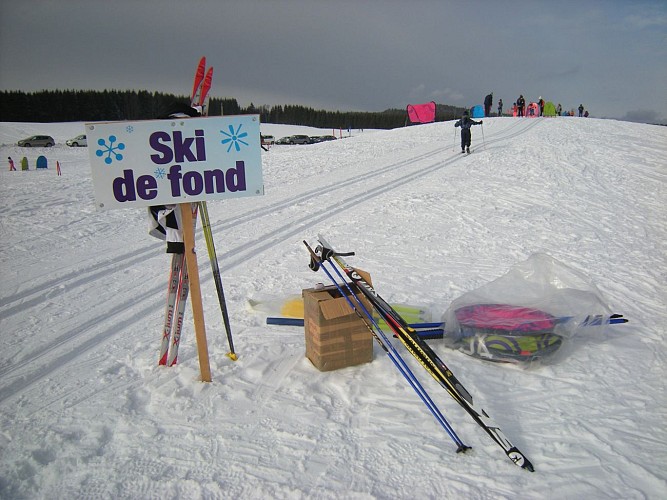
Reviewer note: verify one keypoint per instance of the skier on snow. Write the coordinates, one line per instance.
(465, 123)
(488, 102)
(521, 105)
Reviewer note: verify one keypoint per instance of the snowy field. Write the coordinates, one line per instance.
(85, 412)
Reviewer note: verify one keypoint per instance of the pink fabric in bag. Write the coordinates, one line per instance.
(505, 317)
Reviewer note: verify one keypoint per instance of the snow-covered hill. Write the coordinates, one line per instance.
(85, 412)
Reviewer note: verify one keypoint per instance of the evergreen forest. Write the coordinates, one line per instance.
(113, 105)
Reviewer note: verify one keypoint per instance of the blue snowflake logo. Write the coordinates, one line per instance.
(160, 173)
(234, 138)
(110, 150)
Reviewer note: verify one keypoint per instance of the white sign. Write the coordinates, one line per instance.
(156, 162)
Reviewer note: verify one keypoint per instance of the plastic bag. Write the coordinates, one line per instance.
(527, 315)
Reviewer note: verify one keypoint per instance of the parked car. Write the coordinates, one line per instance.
(284, 140)
(299, 139)
(79, 140)
(322, 138)
(267, 140)
(37, 140)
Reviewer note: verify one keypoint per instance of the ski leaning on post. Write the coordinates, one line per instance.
(178, 289)
(215, 269)
(179, 284)
(175, 283)
(357, 305)
(199, 96)
(423, 353)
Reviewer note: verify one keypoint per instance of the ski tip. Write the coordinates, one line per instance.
(617, 318)
(232, 356)
(463, 448)
(519, 459)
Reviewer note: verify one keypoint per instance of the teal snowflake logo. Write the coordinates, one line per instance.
(234, 138)
(110, 150)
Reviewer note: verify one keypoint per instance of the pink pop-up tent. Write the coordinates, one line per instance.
(421, 113)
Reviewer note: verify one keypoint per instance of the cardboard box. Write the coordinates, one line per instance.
(335, 335)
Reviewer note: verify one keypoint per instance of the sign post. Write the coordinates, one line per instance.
(177, 161)
(195, 290)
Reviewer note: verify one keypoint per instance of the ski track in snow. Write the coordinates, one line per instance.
(342, 200)
(81, 308)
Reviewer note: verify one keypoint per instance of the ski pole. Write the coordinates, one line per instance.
(454, 145)
(215, 269)
(394, 356)
(483, 140)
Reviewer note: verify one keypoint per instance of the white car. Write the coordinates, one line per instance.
(79, 140)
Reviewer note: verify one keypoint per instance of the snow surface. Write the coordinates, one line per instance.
(85, 412)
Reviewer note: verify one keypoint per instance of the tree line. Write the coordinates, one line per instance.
(114, 105)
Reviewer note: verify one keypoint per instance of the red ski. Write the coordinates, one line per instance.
(206, 86)
(199, 77)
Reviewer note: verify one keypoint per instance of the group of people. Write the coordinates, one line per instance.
(519, 109)
(488, 103)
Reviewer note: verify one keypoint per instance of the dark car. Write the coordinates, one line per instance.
(299, 139)
(37, 140)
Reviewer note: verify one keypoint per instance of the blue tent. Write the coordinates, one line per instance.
(41, 162)
(477, 111)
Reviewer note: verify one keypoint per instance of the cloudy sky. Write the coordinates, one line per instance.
(364, 55)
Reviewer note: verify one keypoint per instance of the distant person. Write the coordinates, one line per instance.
(559, 110)
(12, 167)
(540, 103)
(58, 171)
(586, 114)
(520, 105)
(500, 107)
(466, 137)
(581, 110)
(488, 102)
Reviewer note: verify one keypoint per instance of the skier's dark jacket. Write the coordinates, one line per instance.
(466, 122)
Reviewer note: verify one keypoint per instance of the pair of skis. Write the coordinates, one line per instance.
(202, 85)
(435, 330)
(177, 296)
(409, 337)
(179, 284)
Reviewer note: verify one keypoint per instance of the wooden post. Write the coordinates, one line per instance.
(195, 290)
